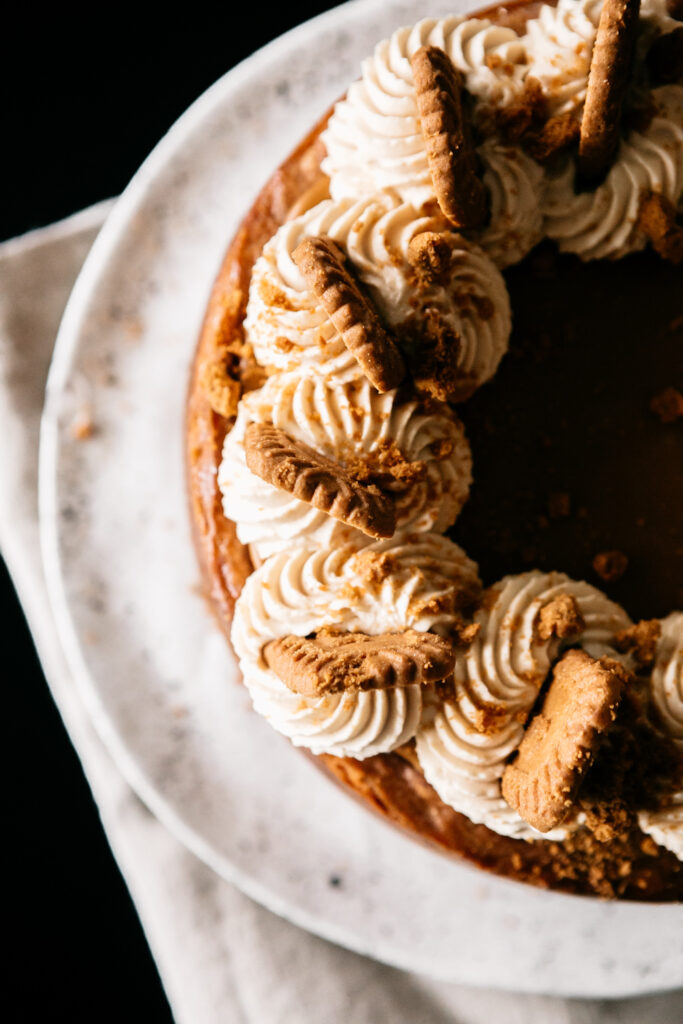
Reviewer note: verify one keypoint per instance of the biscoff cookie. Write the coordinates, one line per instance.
(333, 662)
(309, 476)
(327, 273)
(459, 190)
(607, 81)
(561, 741)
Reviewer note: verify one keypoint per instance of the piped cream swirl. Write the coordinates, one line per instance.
(559, 45)
(464, 745)
(374, 141)
(288, 329)
(411, 581)
(603, 223)
(665, 824)
(516, 186)
(346, 422)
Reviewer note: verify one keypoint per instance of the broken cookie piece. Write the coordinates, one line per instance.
(306, 474)
(560, 618)
(451, 156)
(429, 254)
(332, 662)
(327, 273)
(641, 641)
(221, 388)
(658, 220)
(527, 122)
(561, 741)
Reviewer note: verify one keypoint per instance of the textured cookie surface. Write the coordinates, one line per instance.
(607, 82)
(326, 272)
(334, 662)
(461, 194)
(561, 740)
(309, 476)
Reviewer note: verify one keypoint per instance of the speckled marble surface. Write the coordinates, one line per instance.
(155, 672)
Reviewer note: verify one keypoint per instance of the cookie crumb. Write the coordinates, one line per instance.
(432, 348)
(468, 634)
(221, 389)
(559, 505)
(667, 405)
(527, 122)
(560, 618)
(525, 115)
(384, 464)
(429, 254)
(610, 565)
(649, 847)
(374, 567)
(641, 640)
(82, 425)
(337, 662)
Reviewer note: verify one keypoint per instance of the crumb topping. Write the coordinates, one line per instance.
(560, 618)
(657, 218)
(641, 641)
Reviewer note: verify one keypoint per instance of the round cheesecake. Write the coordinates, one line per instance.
(576, 457)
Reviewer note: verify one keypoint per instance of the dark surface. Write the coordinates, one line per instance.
(569, 458)
(83, 103)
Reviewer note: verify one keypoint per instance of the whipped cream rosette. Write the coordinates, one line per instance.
(288, 329)
(417, 455)
(463, 744)
(516, 185)
(665, 824)
(602, 223)
(412, 581)
(559, 46)
(374, 140)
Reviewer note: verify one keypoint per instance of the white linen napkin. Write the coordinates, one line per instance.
(222, 958)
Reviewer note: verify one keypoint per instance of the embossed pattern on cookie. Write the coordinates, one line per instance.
(351, 662)
(607, 83)
(327, 273)
(561, 740)
(452, 160)
(306, 474)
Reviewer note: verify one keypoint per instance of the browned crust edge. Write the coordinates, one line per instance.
(388, 783)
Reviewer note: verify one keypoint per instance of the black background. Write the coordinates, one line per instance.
(85, 97)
